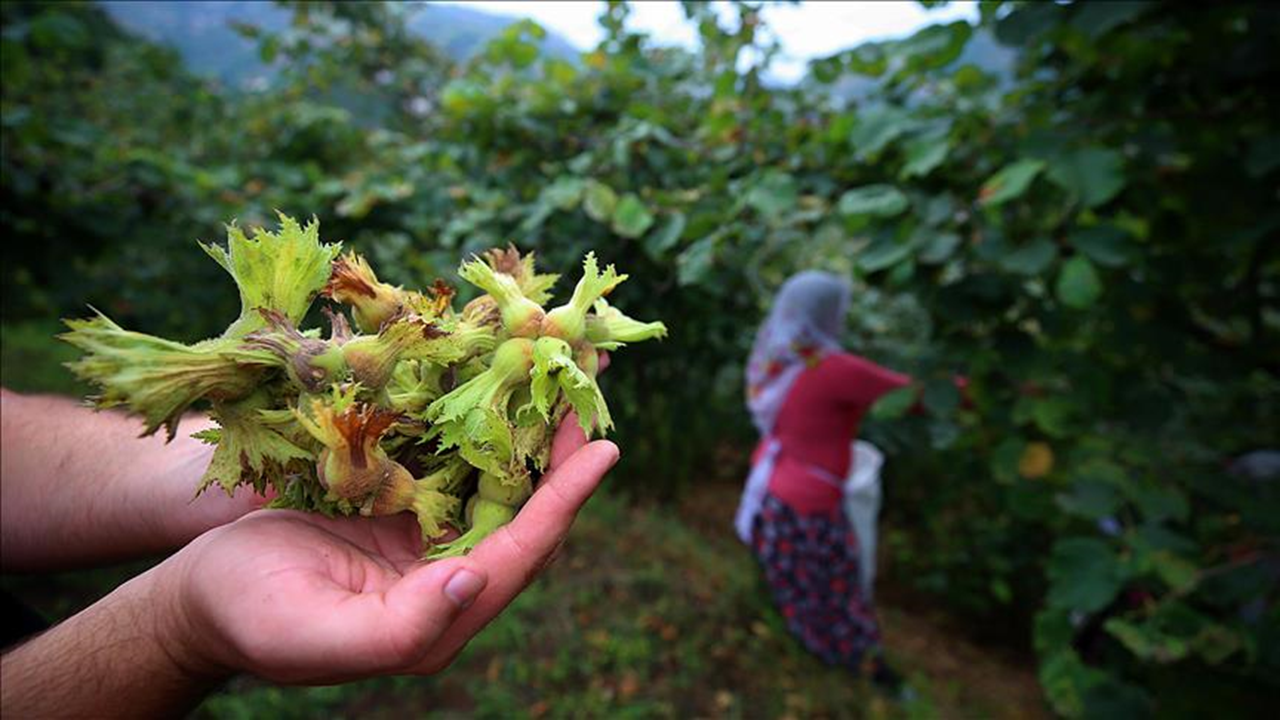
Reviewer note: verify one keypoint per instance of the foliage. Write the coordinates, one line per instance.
(31, 360)
(1120, 337)
(1089, 240)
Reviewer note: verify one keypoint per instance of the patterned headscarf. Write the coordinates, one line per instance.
(803, 327)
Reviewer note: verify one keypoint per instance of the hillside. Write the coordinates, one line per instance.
(201, 32)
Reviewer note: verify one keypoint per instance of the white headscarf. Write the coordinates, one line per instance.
(804, 324)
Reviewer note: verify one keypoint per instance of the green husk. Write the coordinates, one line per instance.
(282, 271)
(159, 379)
(447, 415)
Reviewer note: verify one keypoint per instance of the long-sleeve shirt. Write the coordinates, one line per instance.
(817, 424)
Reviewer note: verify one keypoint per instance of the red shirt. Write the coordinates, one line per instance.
(817, 424)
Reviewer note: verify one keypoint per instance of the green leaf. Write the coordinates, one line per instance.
(1161, 503)
(1179, 574)
(1066, 679)
(900, 274)
(1106, 245)
(1005, 459)
(1147, 642)
(1154, 537)
(1078, 283)
(969, 79)
(775, 194)
(599, 201)
(1084, 574)
(631, 218)
(1092, 174)
(1091, 499)
(248, 452)
(564, 193)
(1031, 259)
(878, 126)
(1215, 643)
(825, 70)
(939, 248)
(695, 262)
(535, 219)
(866, 59)
(658, 243)
(934, 47)
(873, 200)
(941, 396)
(894, 404)
(1099, 18)
(1001, 591)
(1051, 631)
(1027, 24)
(1264, 156)
(943, 434)
(923, 154)
(1053, 415)
(885, 252)
(1010, 183)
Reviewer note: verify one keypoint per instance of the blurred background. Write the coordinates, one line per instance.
(1075, 204)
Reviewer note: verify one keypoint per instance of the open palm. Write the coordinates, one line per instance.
(300, 598)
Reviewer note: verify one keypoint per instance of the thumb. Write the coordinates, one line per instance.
(427, 599)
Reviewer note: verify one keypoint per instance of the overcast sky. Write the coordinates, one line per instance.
(806, 30)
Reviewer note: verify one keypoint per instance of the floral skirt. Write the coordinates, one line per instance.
(811, 566)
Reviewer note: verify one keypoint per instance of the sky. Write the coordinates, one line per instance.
(805, 30)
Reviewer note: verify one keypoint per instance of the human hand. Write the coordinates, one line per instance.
(300, 598)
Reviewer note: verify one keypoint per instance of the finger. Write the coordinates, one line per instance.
(602, 362)
(515, 553)
(568, 439)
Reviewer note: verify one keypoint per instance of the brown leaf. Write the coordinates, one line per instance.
(629, 685)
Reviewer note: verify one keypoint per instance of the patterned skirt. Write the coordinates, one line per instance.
(811, 566)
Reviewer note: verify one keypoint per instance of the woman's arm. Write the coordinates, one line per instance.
(79, 487)
(862, 382)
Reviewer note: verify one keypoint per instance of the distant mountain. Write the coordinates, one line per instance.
(201, 32)
(460, 32)
(982, 51)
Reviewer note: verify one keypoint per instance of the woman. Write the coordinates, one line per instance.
(807, 398)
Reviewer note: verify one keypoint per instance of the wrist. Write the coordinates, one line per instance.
(181, 514)
(187, 644)
(128, 655)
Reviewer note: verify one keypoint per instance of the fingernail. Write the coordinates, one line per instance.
(463, 587)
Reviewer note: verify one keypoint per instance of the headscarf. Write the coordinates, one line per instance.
(803, 326)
